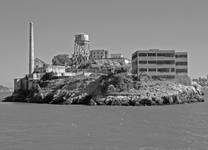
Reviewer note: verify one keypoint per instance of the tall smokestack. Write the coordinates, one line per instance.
(31, 48)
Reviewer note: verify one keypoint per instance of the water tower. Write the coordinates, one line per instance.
(81, 49)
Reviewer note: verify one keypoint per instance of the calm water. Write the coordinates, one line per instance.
(55, 127)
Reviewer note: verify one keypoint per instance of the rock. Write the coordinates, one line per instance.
(37, 98)
(124, 100)
(145, 102)
(99, 100)
(158, 100)
(131, 102)
(112, 89)
(165, 100)
(116, 101)
(83, 99)
(170, 99)
(175, 99)
(108, 100)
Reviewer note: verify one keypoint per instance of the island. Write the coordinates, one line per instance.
(91, 77)
(110, 89)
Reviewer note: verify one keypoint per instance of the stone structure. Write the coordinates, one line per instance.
(41, 68)
(98, 54)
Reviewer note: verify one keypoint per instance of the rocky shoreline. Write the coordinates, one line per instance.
(114, 89)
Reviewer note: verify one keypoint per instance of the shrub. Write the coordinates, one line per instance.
(47, 76)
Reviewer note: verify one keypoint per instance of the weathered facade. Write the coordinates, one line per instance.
(41, 68)
(98, 54)
(160, 63)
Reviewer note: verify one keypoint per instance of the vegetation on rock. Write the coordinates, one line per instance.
(111, 89)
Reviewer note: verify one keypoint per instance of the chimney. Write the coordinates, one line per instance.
(31, 48)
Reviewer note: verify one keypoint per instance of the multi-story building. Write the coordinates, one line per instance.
(98, 54)
(159, 63)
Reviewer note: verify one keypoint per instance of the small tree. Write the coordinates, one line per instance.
(47, 76)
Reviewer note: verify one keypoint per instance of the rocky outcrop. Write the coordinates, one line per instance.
(114, 89)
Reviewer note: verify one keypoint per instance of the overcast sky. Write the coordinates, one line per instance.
(118, 25)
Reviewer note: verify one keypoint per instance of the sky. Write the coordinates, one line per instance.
(121, 26)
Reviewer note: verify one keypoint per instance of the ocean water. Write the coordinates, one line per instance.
(59, 127)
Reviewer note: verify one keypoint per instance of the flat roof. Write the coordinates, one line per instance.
(156, 51)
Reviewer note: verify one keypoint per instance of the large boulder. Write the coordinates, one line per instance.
(145, 102)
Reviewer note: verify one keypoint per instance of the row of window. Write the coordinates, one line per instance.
(98, 52)
(159, 62)
(158, 69)
(164, 76)
(98, 56)
(181, 70)
(181, 63)
(181, 56)
(158, 54)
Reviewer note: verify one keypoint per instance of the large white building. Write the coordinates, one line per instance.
(160, 63)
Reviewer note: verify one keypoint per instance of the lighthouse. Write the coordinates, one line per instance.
(31, 48)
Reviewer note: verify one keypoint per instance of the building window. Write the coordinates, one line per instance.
(165, 54)
(142, 54)
(152, 62)
(181, 63)
(161, 62)
(181, 70)
(143, 69)
(151, 54)
(181, 56)
(163, 69)
(164, 76)
(142, 62)
(172, 69)
(152, 69)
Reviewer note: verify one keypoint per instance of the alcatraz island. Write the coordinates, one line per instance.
(91, 77)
